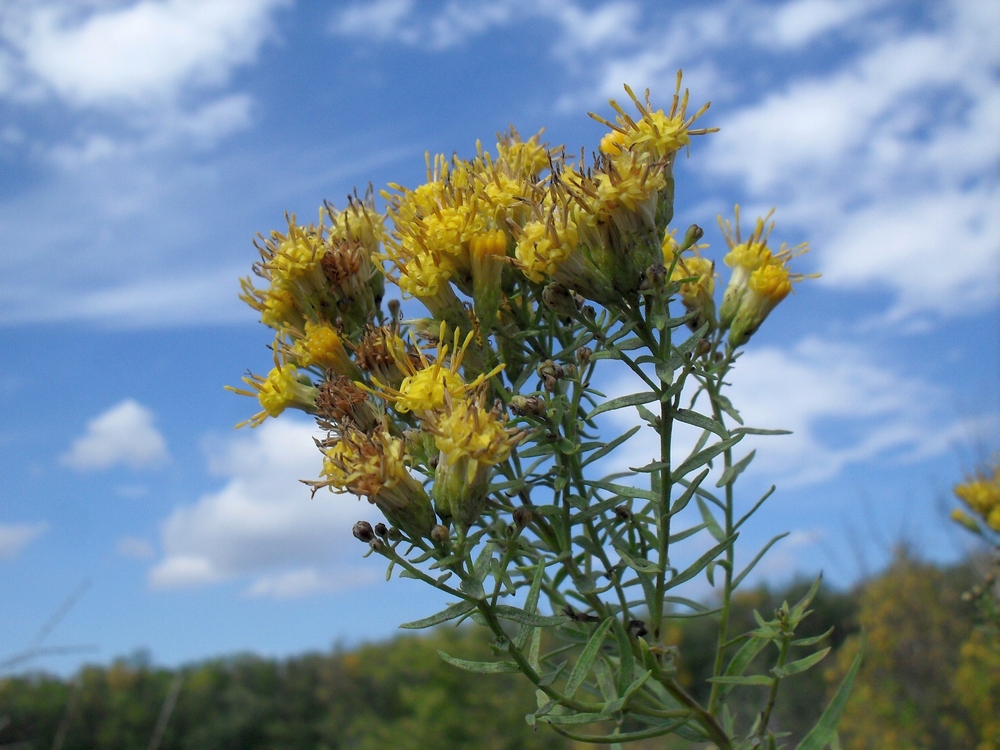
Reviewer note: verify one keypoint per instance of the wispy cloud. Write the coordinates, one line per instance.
(258, 526)
(140, 54)
(842, 406)
(123, 435)
(14, 537)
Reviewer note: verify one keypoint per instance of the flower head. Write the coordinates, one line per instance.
(283, 388)
(981, 494)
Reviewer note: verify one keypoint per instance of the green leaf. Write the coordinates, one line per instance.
(798, 611)
(624, 490)
(774, 540)
(813, 640)
(639, 565)
(605, 449)
(703, 456)
(530, 605)
(622, 401)
(825, 731)
(743, 658)
(753, 510)
(603, 739)
(700, 420)
(583, 665)
(701, 562)
(731, 472)
(710, 523)
(757, 431)
(692, 487)
(449, 613)
(626, 659)
(514, 614)
(480, 667)
(800, 665)
(753, 679)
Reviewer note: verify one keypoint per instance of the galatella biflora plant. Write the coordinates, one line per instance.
(472, 429)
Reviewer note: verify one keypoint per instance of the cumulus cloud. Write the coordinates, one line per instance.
(123, 435)
(140, 52)
(400, 21)
(842, 406)
(889, 162)
(14, 537)
(263, 525)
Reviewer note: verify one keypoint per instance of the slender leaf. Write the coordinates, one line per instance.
(812, 641)
(530, 605)
(731, 472)
(626, 659)
(625, 491)
(753, 679)
(603, 739)
(480, 667)
(825, 731)
(703, 456)
(643, 397)
(710, 523)
(692, 487)
(514, 614)
(800, 665)
(701, 562)
(700, 420)
(449, 613)
(774, 540)
(607, 448)
(583, 665)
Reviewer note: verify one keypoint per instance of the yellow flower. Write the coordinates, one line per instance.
(656, 135)
(376, 466)
(428, 383)
(760, 278)
(283, 388)
(542, 248)
(470, 440)
(981, 494)
(697, 293)
(322, 346)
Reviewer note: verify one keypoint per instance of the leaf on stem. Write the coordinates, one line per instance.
(449, 613)
(480, 667)
(825, 731)
(643, 397)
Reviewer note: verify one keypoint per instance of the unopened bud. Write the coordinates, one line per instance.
(550, 384)
(622, 512)
(523, 405)
(549, 369)
(377, 544)
(394, 534)
(583, 355)
(522, 516)
(440, 534)
(381, 529)
(693, 234)
(363, 531)
(393, 305)
(562, 301)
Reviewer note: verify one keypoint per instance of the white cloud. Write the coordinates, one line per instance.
(263, 523)
(842, 406)
(578, 29)
(796, 23)
(888, 163)
(141, 52)
(306, 581)
(136, 548)
(14, 537)
(124, 434)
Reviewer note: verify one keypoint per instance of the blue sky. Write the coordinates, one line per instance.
(142, 145)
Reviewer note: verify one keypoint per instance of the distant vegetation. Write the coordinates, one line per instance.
(931, 679)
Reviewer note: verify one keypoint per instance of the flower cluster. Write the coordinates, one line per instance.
(407, 406)
(980, 494)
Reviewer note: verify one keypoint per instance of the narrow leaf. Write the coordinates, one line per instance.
(800, 665)
(449, 613)
(480, 667)
(622, 401)
(530, 605)
(703, 456)
(825, 731)
(774, 540)
(514, 614)
(701, 562)
(692, 487)
(606, 449)
(700, 420)
(626, 660)
(753, 679)
(730, 474)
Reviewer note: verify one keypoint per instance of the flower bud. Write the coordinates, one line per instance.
(562, 301)
(381, 529)
(522, 516)
(524, 405)
(440, 534)
(363, 531)
(583, 355)
(488, 253)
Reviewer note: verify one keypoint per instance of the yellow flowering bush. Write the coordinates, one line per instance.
(471, 425)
